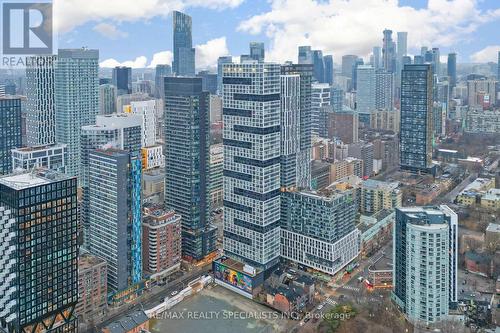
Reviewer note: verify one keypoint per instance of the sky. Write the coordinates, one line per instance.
(138, 33)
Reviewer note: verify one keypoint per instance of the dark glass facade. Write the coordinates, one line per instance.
(416, 118)
(44, 264)
(187, 161)
(10, 131)
(184, 52)
(122, 80)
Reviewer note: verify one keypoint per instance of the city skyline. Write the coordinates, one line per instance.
(133, 39)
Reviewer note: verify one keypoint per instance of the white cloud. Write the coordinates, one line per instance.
(161, 58)
(355, 26)
(207, 54)
(139, 62)
(109, 30)
(489, 53)
(72, 13)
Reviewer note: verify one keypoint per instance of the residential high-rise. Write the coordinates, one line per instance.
(452, 69)
(336, 99)
(388, 52)
(318, 66)
(121, 131)
(347, 64)
(425, 262)
(161, 241)
(320, 98)
(76, 98)
(220, 62)
(161, 71)
(328, 63)
(305, 150)
(115, 214)
(377, 54)
(147, 111)
(251, 137)
(187, 159)
(366, 92)
(343, 125)
(39, 251)
(257, 51)
(51, 157)
(107, 99)
(290, 128)
(122, 80)
(216, 175)
(10, 129)
(305, 55)
(40, 109)
(363, 151)
(384, 90)
(318, 229)
(416, 118)
(481, 92)
(184, 53)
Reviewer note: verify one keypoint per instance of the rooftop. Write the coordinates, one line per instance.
(379, 185)
(477, 185)
(86, 261)
(38, 148)
(384, 262)
(493, 227)
(26, 179)
(128, 323)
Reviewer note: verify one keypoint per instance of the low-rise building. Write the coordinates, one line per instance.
(380, 272)
(376, 231)
(153, 186)
(92, 287)
(492, 236)
(377, 195)
(491, 199)
(472, 194)
(135, 322)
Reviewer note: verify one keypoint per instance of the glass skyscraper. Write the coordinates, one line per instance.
(10, 130)
(328, 63)
(452, 69)
(257, 51)
(38, 252)
(416, 118)
(187, 161)
(425, 262)
(77, 99)
(184, 53)
(160, 72)
(122, 80)
(251, 139)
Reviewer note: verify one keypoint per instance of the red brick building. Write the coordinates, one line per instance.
(92, 287)
(161, 241)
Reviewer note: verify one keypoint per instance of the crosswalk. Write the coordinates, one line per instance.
(331, 301)
(356, 289)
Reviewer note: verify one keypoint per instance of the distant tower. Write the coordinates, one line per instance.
(328, 63)
(416, 118)
(388, 55)
(184, 53)
(402, 46)
(257, 51)
(220, 62)
(107, 99)
(318, 66)
(122, 80)
(452, 69)
(377, 51)
(305, 55)
(160, 72)
(348, 62)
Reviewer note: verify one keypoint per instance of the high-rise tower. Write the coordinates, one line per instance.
(184, 53)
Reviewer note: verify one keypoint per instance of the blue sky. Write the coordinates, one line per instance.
(133, 31)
